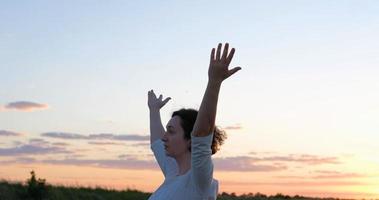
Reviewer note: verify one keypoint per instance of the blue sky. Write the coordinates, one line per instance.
(309, 70)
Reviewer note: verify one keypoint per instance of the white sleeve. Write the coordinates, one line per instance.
(201, 162)
(167, 164)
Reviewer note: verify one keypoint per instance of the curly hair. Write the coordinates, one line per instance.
(187, 121)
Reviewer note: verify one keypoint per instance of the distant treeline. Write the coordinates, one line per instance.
(38, 189)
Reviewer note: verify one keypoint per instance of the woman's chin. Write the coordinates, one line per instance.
(167, 153)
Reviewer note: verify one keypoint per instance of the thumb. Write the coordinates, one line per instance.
(234, 70)
(166, 100)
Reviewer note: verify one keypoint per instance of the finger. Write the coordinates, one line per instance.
(160, 97)
(149, 93)
(234, 70)
(225, 53)
(166, 100)
(153, 94)
(230, 57)
(218, 51)
(212, 55)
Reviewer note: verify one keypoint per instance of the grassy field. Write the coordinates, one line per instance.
(38, 189)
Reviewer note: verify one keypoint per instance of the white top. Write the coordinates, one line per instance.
(197, 183)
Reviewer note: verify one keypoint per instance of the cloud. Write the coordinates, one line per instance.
(35, 146)
(111, 136)
(106, 143)
(115, 163)
(101, 136)
(301, 158)
(60, 144)
(63, 135)
(259, 163)
(9, 133)
(141, 144)
(325, 174)
(126, 156)
(233, 127)
(26, 106)
(132, 137)
(31, 149)
(20, 159)
(304, 183)
(245, 164)
(130, 163)
(322, 174)
(17, 143)
(38, 142)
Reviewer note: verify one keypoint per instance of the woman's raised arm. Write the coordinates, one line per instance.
(218, 71)
(155, 104)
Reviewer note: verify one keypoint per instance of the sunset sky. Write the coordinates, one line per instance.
(302, 116)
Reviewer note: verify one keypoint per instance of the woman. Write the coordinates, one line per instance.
(184, 151)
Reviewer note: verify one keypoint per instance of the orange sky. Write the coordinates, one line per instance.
(149, 180)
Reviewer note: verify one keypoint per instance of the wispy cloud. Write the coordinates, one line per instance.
(129, 163)
(141, 144)
(303, 183)
(38, 142)
(115, 163)
(63, 135)
(101, 136)
(35, 146)
(19, 159)
(60, 144)
(245, 163)
(31, 149)
(258, 163)
(126, 156)
(300, 158)
(9, 133)
(325, 174)
(25, 106)
(105, 143)
(233, 127)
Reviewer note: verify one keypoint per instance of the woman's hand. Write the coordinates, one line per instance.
(155, 103)
(218, 68)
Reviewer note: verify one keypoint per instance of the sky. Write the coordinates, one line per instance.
(301, 116)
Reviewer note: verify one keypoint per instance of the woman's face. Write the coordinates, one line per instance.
(173, 139)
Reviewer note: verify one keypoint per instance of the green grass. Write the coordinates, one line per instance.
(16, 190)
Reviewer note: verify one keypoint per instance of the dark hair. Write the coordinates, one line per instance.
(188, 118)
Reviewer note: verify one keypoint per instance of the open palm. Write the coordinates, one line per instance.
(154, 102)
(219, 64)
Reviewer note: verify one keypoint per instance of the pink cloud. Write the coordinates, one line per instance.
(9, 133)
(30, 149)
(105, 143)
(233, 127)
(130, 163)
(100, 136)
(25, 106)
(245, 163)
(299, 158)
(325, 174)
